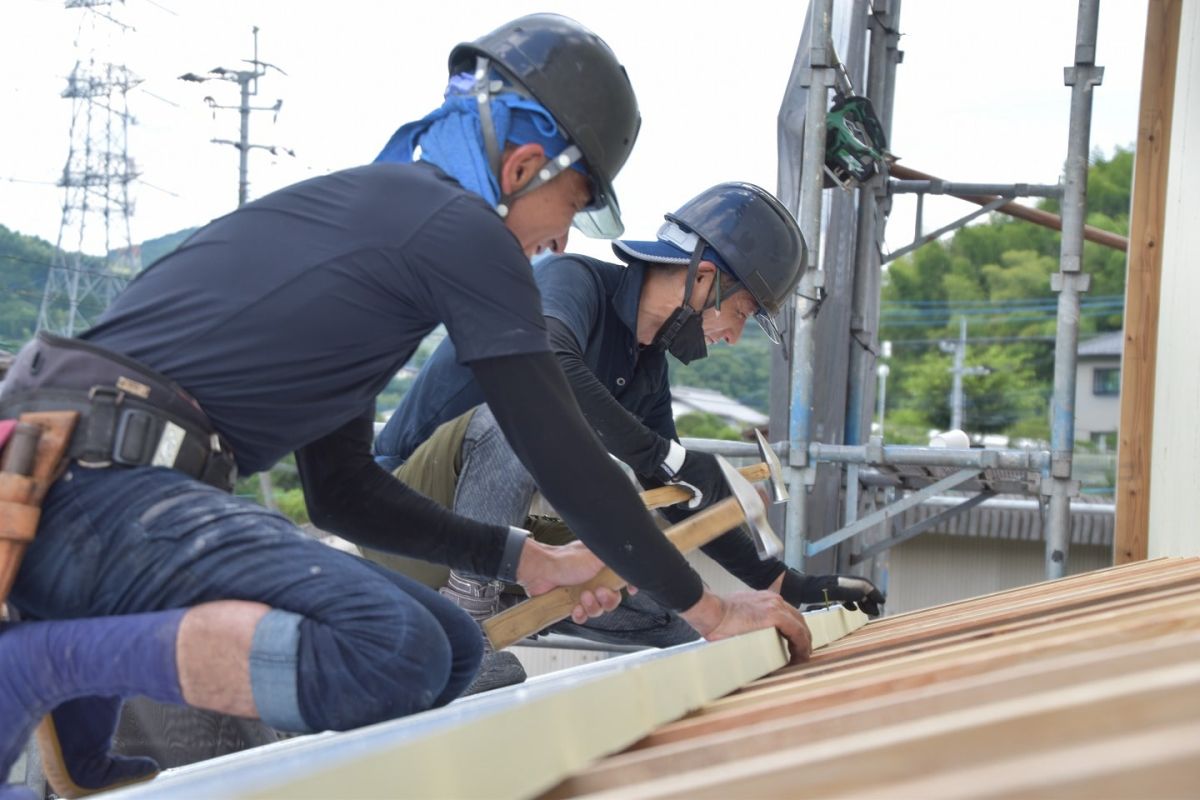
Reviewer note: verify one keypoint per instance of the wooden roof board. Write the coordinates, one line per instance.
(929, 703)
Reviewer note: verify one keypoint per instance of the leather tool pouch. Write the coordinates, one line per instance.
(32, 459)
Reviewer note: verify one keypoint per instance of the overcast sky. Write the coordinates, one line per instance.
(980, 95)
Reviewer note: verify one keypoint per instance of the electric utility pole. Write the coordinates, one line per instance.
(247, 81)
(959, 369)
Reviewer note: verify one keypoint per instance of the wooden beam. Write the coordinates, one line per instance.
(1143, 281)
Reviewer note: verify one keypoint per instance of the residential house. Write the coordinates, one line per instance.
(1098, 390)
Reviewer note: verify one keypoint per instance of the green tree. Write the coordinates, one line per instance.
(996, 275)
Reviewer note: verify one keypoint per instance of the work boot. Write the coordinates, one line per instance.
(481, 600)
(76, 740)
(46, 664)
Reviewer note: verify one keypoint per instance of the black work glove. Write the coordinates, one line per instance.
(822, 590)
(698, 472)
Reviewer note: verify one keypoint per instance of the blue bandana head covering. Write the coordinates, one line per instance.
(451, 139)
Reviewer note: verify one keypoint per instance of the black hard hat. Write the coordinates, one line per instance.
(756, 236)
(574, 74)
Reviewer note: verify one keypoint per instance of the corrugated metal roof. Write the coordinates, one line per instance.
(710, 401)
(1106, 345)
(1088, 526)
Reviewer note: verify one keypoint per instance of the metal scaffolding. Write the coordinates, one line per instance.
(917, 473)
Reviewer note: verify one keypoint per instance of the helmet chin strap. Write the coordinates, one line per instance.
(484, 89)
(670, 329)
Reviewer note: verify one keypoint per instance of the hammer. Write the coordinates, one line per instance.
(769, 470)
(744, 505)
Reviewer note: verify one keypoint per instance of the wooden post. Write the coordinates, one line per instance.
(1143, 279)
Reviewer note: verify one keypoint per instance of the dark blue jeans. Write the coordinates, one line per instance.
(348, 644)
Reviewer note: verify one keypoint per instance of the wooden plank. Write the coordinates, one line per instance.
(1143, 280)
(858, 651)
(1015, 611)
(863, 714)
(1164, 762)
(915, 671)
(1064, 584)
(866, 714)
(1035, 722)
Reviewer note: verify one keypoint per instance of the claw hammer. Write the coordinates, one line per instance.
(743, 505)
(769, 470)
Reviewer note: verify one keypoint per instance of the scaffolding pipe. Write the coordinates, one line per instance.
(1070, 282)
(874, 203)
(864, 321)
(812, 179)
(960, 189)
(908, 455)
(892, 454)
(1034, 215)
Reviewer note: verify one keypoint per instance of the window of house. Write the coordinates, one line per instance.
(1106, 381)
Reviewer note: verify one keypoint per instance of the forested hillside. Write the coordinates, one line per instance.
(24, 264)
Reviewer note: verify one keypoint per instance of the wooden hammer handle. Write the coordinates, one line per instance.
(532, 615)
(670, 495)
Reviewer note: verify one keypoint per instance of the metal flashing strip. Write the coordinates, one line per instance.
(509, 743)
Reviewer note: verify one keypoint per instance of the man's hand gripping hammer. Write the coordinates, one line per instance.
(745, 505)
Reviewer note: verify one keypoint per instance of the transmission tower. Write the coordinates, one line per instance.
(96, 207)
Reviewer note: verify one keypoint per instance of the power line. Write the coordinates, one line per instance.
(1016, 301)
(978, 340)
(1048, 305)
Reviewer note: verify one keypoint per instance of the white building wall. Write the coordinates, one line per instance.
(935, 568)
(1094, 413)
(1175, 450)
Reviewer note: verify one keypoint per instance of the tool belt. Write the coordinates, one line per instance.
(129, 415)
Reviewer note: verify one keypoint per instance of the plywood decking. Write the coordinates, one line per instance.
(1084, 686)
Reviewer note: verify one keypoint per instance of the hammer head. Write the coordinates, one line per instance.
(765, 541)
(779, 493)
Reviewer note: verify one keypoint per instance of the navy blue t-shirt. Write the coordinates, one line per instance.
(286, 318)
(598, 302)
